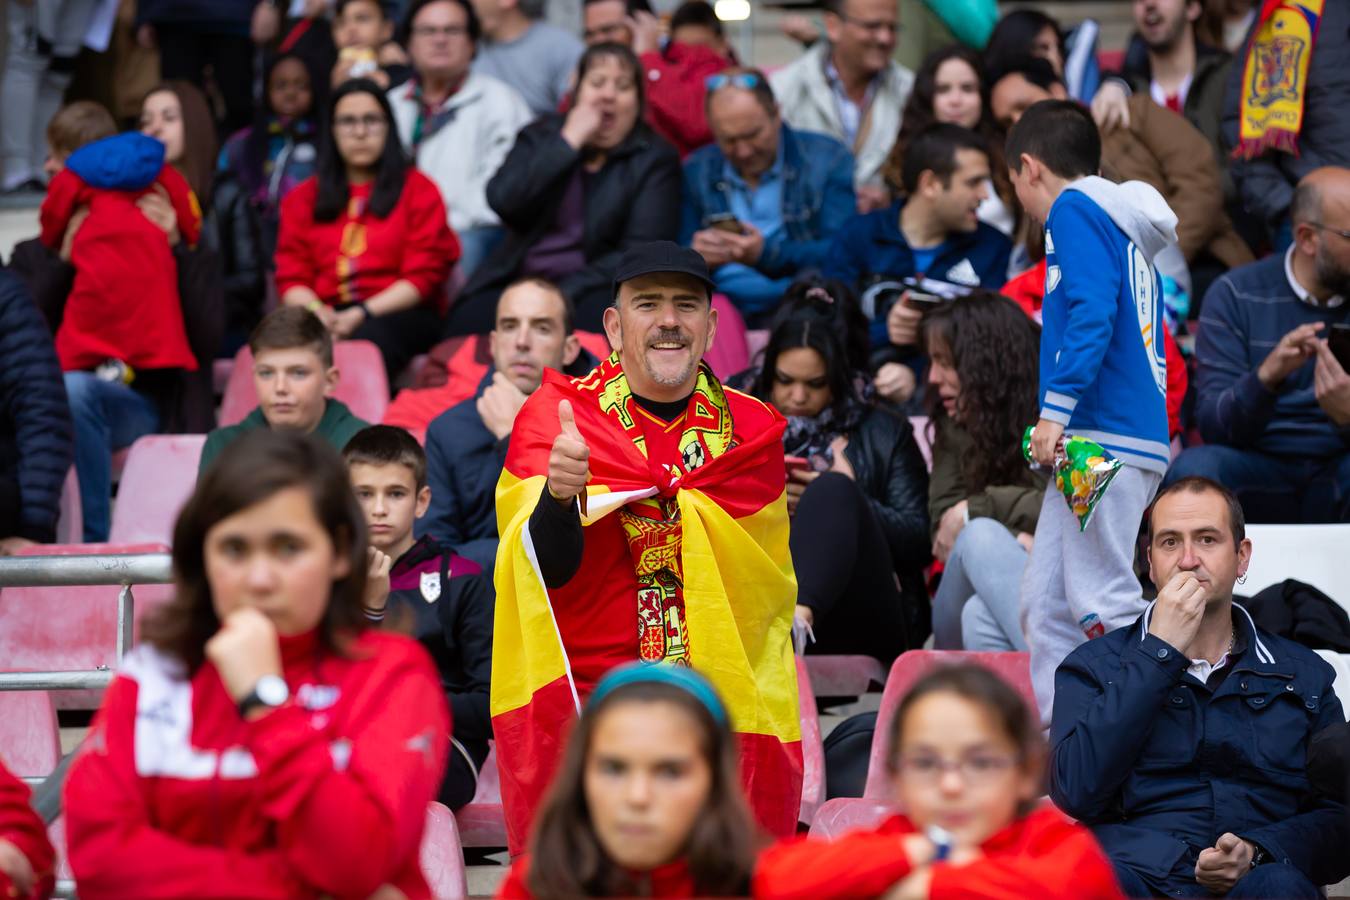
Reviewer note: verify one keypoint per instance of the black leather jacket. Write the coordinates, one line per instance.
(890, 470)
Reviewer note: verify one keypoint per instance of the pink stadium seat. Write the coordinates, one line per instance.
(441, 857)
(813, 750)
(844, 676)
(920, 426)
(843, 813)
(56, 833)
(67, 628)
(729, 353)
(755, 342)
(364, 387)
(30, 739)
(160, 474)
(482, 822)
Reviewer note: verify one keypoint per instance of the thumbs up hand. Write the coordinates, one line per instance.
(569, 465)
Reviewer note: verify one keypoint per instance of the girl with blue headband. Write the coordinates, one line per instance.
(647, 801)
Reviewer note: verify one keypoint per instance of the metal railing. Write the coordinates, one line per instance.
(108, 569)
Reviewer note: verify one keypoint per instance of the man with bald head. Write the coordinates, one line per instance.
(763, 202)
(1274, 406)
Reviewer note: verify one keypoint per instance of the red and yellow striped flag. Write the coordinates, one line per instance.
(552, 645)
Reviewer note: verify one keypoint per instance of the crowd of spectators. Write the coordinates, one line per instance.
(1152, 253)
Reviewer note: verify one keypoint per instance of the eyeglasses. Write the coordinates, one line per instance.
(432, 31)
(747, 81)
(979, 768)
(353, 124)
(871, 26)
(1344, 234)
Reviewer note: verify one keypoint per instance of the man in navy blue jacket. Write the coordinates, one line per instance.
(466, 445)
(1182, 740)
(1274, 401)
(932, 233)
(37, 439)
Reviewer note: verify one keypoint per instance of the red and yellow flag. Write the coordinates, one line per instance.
(552, 645)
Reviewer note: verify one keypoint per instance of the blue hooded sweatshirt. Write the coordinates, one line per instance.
(1103, 371)
(130, 161)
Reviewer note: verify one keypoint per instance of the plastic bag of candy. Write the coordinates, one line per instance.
(1083, 470)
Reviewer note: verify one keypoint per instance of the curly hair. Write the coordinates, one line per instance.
(918, 115)
(995, 348)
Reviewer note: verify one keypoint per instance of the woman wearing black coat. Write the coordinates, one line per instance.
(575, 192)
(858, 495)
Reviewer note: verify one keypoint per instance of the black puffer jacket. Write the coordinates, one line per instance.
(37, 440)
(890, 471)
(234, 231)
(634, 198)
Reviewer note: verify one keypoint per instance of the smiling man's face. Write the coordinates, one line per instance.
(662, 325)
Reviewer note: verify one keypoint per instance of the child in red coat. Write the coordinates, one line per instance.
(27, 861)
(124, 305)
(967, 765)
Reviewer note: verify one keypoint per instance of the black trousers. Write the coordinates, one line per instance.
(185, 53)
(846, 575)
(401, 336)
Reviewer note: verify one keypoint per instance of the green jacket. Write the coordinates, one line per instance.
(337, 426)
(1015, 505)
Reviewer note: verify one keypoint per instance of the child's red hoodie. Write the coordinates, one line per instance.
(125, 303)
(20, 825)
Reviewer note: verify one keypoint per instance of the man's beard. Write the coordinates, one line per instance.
(1171, 39)
(1331, 275)
(674, 335)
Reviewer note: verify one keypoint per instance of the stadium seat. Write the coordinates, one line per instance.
(482, 823)
(729, 353)
(844, 813)
(364, 386)
(844, 676)
(1341, 663)
(1308, 553)
(755, 342)
(65, 879)
(921, 437)
(813, 749)
(30, 739)
(68, 628)
(441, 858)
(160, 474)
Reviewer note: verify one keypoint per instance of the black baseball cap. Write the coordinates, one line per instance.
(661, 256)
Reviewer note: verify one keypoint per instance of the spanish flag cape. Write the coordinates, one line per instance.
(721, 600)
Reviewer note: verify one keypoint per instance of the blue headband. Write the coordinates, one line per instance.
(682, 677)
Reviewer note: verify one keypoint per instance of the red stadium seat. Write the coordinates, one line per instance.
(844, 676)
(160, 474)
(482, 823)
(441, 858)
(30, 739)
(813, 750)
(843, 813)
(67, 628)
(364, 386)
(729, 353)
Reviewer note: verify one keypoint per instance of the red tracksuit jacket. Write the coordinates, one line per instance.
(176, 796)
(124, 304)
(356, 256)
(670, 880)
(1043, 855)
(20, 825)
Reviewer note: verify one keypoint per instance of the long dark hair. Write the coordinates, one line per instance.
(1014, 36)
(918, 115)
(252, 469)
(812, 296)
(815, 334)
(198, 165)
(259, 135)
(984, 688)
(390, 172)
(625, 55)
(566, 858)
(996, 350)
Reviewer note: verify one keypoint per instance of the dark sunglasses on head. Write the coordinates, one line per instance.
(745, 80)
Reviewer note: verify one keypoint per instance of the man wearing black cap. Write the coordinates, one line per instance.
(619, 489)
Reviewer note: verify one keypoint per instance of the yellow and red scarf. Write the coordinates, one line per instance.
(1275, 77)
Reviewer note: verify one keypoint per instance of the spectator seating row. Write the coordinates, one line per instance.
(363, 385)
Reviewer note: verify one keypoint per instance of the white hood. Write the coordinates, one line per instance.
(1141, 212)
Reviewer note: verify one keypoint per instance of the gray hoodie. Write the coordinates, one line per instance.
(1141, 212)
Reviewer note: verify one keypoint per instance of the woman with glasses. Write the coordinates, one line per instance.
(575, 191)
(364, 244)
(966, 762)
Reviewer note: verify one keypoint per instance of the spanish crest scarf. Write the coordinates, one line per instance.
(1275, 77)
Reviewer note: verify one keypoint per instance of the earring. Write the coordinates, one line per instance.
(1242, 579)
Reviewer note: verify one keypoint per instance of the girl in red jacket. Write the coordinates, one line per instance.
(967, 763)
(365, 244)
(647, 801)
(27, 861)
(262, 742)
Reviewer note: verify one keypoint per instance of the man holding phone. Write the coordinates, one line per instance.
(1273, 355)
(761, 204)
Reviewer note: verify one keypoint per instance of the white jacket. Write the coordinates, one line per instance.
(808, 103)
(468, 150)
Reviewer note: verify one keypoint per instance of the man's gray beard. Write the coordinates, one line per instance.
(1330, 274)
(670, 381)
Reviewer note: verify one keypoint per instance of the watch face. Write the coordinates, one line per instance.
(272, 690)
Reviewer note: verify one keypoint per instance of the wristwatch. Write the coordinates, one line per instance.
(365, 310)
(270, 691)
(942, 841)
(1259, 855)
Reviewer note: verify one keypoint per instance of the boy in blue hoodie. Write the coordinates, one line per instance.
(1103, 377)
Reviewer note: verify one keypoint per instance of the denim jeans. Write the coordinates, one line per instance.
(1273, 881)
(474, 246)
(976, 605)
(108, 416)
(1273, 488)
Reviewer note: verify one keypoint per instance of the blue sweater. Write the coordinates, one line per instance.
(1245, 314)
(1103, 376)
